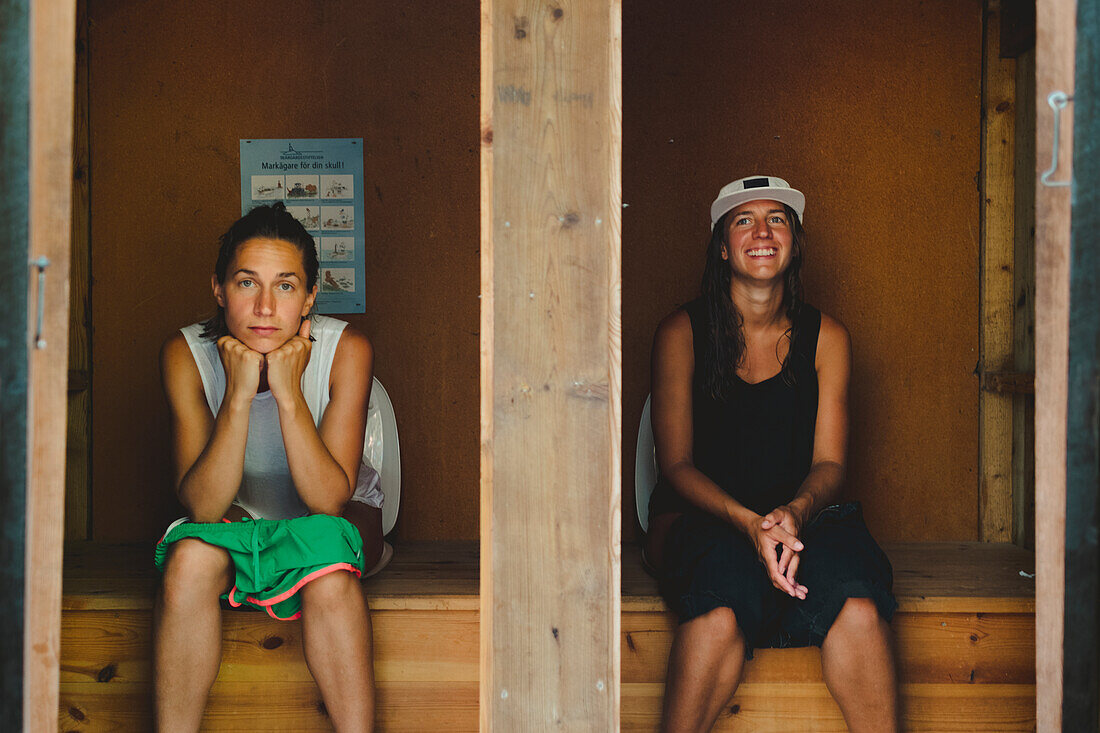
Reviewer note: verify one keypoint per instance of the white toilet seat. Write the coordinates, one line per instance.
(645, 466)
(382, 451)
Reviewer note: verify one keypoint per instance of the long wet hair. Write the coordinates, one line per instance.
(263, 222)
(724, 349)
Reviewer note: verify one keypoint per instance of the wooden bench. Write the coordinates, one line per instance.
(965, 631)
(424, 608)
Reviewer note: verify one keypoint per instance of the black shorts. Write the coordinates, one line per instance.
(708, 564)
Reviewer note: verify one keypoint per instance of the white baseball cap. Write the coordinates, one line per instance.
(753, 188)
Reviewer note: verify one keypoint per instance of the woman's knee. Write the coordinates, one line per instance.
(719, 626)
(195, 568)
(859, 616)
(330, 590)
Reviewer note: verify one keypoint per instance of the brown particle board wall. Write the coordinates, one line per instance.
(173, 87)
(872, 109)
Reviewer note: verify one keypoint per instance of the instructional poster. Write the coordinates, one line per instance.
(321, 184)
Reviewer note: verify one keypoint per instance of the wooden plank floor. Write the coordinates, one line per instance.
(965, 636)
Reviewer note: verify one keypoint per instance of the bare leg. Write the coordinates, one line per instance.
(187, 632)
(857, 661)
(336, 636)
(704, 668)
(368, 520)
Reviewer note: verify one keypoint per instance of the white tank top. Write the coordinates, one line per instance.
(267, 490)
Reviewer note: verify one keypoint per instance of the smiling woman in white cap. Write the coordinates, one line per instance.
(750, 422)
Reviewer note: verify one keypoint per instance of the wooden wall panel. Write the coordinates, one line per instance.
(173, 87)
(551, 141)
(872, 109)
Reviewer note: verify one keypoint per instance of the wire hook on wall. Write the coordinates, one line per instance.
(1057, 102)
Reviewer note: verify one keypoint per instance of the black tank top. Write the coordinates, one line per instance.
(758, 444)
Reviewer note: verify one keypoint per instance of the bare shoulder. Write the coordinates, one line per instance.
(674, 330)
(834, 343)
(353, 348)
(352, 364)
(175, 356)
(178, 370)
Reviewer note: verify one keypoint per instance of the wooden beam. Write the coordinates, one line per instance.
(1054, 71)
(52, 33)
(1009, 382)
(1023, 406)
(78, 443)
(995, 508)
(551, 141)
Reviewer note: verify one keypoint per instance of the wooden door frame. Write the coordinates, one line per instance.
(1054, 70)
(52, 62)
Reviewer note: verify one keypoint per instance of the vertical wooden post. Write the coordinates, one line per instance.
(78, 443)
(997, 259)
(1023, 407)
(1055, 41)
(52, 29)
(550, 382)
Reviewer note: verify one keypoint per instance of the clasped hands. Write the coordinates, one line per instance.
(779, 528)
(283, 366)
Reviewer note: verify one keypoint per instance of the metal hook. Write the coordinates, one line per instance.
(41, 264)
(1057, 102)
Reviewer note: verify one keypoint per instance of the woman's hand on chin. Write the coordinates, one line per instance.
(286, 364)
(242, 370)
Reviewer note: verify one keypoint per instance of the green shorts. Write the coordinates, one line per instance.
(273, 559)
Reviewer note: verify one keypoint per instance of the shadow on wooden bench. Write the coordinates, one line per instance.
(965, 631)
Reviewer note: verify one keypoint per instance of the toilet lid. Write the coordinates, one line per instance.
(382, 451)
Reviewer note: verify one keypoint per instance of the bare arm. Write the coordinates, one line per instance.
(822, 485)
(827, 472)
(324, 461)
(208, 452)
(673, 433)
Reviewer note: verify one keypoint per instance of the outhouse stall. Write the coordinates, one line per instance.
(537, 183)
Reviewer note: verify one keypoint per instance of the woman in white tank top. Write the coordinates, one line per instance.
(268, 412)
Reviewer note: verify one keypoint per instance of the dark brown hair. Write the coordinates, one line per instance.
(725, 339)
(266, 222)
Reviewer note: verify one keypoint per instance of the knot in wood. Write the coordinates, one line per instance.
(272, 642)
(107, 673)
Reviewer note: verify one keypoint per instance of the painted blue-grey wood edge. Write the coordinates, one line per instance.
(1082, 634)
(14, 217)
